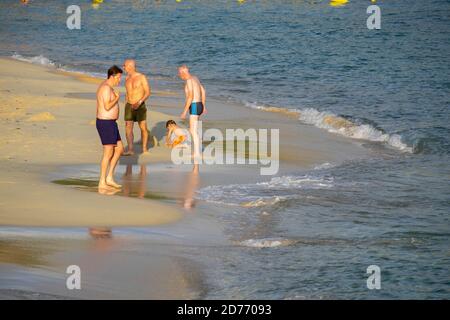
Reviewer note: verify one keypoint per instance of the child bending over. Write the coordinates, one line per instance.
(176, 136)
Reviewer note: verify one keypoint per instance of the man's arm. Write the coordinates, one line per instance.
(147, 91)
(189, 98)
(202, 89)
(168, 137)
(106, 97)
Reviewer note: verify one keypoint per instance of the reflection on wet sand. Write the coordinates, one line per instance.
(100, 233)
(20, 253)
(134, 187)
(111, 269)
(173, 186)
(191, 187)
(108, 191)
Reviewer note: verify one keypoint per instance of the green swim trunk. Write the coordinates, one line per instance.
(138, 115)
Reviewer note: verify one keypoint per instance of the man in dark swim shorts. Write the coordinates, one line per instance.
(138, 90)
(135, 115)
(107, 114)
(108, 131)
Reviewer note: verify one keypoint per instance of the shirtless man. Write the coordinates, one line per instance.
(107, 114)
(195, 104)
(138, 90)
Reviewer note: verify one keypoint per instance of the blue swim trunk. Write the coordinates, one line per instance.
(108, 131)
(196, 108)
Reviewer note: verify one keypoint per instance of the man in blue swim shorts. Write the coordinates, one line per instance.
(195, 104)
(107, 114)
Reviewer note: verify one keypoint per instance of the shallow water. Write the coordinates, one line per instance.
(310, 234)
(301, 230)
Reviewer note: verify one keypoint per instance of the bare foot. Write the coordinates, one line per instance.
(145, 152)
(110, 191)
(128, 153)
(103, 185)
(103, 188)
(112, 183)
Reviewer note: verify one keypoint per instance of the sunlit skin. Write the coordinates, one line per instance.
(108, 109)
(138, 91)
(195, 92)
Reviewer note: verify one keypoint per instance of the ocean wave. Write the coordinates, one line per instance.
(260, 194)
(339, 125)
(44, 61)
(322, 166)
(266, 242)
(305, 181)
(260, 202)
(41, 60)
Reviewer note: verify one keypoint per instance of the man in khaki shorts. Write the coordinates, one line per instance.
(138, 90)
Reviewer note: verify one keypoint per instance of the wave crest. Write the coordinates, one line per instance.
(266, 243)
(35, 60)
(339, 125)
(260, 194)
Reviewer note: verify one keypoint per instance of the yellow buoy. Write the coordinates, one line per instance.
(338, 3)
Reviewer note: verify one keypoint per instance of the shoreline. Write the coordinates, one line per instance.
(362, 131)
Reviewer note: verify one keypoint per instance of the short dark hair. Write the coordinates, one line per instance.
(168, 123)
(114, 70)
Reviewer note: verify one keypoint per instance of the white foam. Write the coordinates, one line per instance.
(41, 60)
(44, 61)
(265, 193)
(288, 182)
(325, 165)
(339, 125)
(266, 242)
(260, 202)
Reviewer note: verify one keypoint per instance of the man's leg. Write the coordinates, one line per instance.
(130, 137)
(144, 134)
(193, 128)
(108, 151)
(118, 150)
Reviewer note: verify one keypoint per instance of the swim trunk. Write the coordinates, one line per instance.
(108, 131)
(138, 115)
(196, 108)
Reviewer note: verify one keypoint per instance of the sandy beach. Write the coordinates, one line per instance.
(47, 125)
